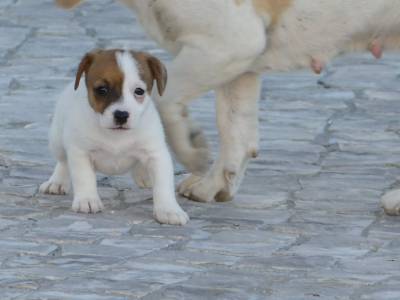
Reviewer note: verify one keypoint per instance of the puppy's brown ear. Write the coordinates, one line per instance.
(83, 68)
(151, 68)
(67, 3)
(158, 72)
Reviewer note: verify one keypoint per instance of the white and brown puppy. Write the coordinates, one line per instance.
(110, 125)
(224, 45)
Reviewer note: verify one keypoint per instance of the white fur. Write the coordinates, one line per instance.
(83, 142)
(220, 44)
(323, 29)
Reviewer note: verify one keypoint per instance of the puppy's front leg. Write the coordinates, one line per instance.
(86, 198)
(166, 208)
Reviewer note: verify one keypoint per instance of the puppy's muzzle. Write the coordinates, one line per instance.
(120, 117)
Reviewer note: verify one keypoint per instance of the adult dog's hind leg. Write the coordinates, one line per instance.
(237, 112)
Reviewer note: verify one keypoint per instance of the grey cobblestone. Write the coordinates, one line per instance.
(306, 223)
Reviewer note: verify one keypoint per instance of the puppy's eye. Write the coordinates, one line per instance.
(139, 92)
(102, 90)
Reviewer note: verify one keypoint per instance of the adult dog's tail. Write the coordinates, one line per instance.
(68, 3)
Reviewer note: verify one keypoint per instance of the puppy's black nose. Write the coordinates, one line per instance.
(121, 117)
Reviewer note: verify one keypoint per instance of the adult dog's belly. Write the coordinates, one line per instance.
(310, 32)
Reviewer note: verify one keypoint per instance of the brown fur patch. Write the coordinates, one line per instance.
(273, 8)
(68, 3)
(101, 70)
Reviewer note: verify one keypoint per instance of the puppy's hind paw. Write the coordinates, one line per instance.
(53, 188)
(87, 205)
(141, 177)
(173, 216)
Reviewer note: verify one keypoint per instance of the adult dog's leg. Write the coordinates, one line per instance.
(238, 128)
(195, 71)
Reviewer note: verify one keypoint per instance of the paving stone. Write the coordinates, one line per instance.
(123, 247)
(18, 247)
(56, 295)
(217, 285)
(243, 243)
(11, 38)
(7, 223)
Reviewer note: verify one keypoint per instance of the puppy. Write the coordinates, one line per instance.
(110, 125)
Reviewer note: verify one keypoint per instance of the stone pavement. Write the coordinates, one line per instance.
(306, 224)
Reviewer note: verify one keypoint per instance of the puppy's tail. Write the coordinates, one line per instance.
(68, 3)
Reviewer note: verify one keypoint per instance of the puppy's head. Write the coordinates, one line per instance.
(119, 85)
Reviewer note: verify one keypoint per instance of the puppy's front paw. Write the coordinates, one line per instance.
(170, 215)
(53, 188)
(87, 205)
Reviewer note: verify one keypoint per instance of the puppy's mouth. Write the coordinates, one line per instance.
(118, 128)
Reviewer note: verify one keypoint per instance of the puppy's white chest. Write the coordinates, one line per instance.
(112, 163)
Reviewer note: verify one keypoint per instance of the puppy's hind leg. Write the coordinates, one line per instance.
(59, 182)
(141, 176)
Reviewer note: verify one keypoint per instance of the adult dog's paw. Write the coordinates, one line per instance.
(87, 205)
(206, 189)
(170, 215)
(391, 202)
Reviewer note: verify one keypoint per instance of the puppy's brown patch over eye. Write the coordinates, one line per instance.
(101, 91)
(103, 78)
(103, 95)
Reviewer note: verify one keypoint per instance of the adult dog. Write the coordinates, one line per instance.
(224, 45)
